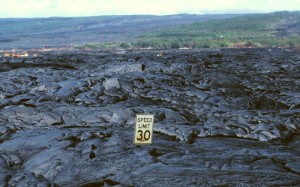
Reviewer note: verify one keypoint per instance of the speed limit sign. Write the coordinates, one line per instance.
(143, 129)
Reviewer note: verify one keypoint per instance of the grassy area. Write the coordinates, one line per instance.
(260, 30)
(96, 46)
(280, 29)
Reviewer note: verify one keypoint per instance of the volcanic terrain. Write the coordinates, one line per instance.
(228, 117)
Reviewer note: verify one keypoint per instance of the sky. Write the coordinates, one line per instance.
(71, 8)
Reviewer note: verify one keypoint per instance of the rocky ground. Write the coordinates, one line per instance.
(223, 117)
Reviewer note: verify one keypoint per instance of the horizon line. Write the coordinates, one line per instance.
(103, 15)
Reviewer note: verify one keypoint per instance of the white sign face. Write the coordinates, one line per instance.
(143, 129)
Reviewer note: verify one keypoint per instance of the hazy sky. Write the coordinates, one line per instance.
(47, 8)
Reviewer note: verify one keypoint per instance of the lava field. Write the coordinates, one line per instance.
(223, 117)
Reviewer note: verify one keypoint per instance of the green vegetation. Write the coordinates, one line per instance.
(96, 46)
(280, 29)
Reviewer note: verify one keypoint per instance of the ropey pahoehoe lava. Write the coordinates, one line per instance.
(222, 117)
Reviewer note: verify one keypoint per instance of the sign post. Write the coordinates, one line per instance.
(143, 129)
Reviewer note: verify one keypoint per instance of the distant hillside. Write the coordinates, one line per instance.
(279, 29)
(53, 32)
